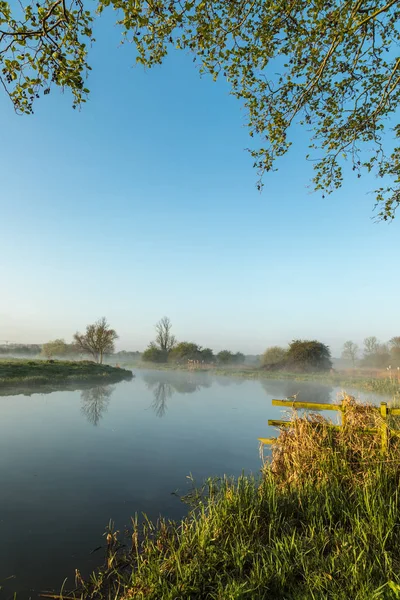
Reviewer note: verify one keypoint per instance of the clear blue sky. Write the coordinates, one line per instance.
(144, 204)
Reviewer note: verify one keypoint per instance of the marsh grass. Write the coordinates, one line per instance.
(39, 372)
(321, 521)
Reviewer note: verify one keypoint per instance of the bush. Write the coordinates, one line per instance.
(275, 355)
(185, 351)
(226, 357)
(154, 355)
(308, 355)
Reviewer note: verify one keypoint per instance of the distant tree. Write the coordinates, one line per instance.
(238, 358)
(164, 338)
(350, 352)
(154, 354)
(376, 355)
(371, 345)
(54, 348)
(225, 357)
(207, 355)
(20, 350)
(185, 351)
(274, 355)
(394, 345)
(309, 355)
(98, 340)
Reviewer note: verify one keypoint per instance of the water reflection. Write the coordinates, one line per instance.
(304, 391)
(163, 388)
(95, 402)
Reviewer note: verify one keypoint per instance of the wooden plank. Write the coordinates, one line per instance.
(279, 423)
(311, 405)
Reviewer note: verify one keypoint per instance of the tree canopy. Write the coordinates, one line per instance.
(350, 352)
(54, 348)
(98, 340)
(331, 66)
(309, 355)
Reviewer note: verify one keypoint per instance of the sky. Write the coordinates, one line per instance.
(144, 204)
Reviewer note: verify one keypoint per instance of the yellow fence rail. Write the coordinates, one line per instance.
(384, 410)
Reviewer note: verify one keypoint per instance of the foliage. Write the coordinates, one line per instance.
(225, 357)
(274, 355)
(322, 522)
(185, 351)
(154, 354)
(350, 352)
(309, 355)
(98, 340)
(207, 355)
(331, 67)
(54, 348)
(164, 338)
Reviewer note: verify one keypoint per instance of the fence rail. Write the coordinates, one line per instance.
(384, 410)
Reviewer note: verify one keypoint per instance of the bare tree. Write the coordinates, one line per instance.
(98, 340)
(350, 351)
(164, 338)
(371, 346)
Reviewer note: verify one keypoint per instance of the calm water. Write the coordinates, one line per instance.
(71, 461)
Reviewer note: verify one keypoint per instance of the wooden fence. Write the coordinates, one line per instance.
(384, 410)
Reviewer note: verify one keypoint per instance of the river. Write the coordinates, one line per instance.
(71, 461)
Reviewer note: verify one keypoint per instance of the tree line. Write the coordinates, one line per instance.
(374, 353)
(98, 342)
(165, 348)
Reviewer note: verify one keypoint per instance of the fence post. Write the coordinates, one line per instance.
(384, 427)
(343, 411)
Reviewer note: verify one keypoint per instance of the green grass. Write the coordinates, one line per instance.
(41, 372)
(322, 522)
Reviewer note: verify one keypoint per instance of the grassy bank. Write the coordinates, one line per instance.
(379, 385)
(42, 372)
(322, 521)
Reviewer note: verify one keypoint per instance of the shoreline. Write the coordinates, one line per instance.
(48, 375)
(385, 386)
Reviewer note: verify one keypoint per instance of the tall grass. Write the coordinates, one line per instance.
(321, 521)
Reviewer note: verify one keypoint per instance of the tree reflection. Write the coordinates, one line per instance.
(162, 391)
(95, 402)
(164, 387)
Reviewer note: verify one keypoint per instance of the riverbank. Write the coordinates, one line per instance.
(17, 373)
(389, 385)
(317, 523)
